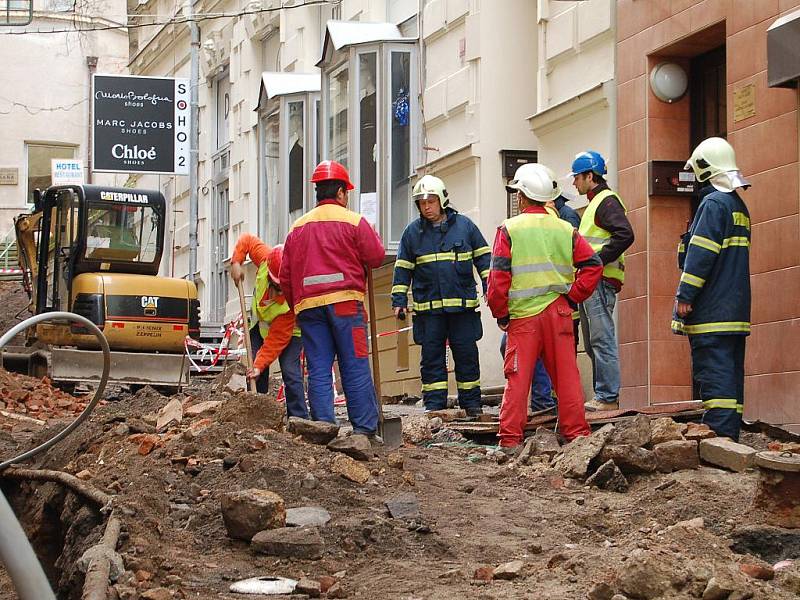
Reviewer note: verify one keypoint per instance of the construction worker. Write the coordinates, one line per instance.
(541, 269)
(323, 276)
(542, 397)
(605, 226)
(712, 305)
(436, 257)
(273, 332)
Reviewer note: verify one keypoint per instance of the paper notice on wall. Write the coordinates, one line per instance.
(369, 207)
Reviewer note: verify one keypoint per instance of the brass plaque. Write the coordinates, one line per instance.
(744, 103)
(9, 176)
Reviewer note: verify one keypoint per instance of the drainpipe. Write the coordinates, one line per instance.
(91, 66)
(194, 133)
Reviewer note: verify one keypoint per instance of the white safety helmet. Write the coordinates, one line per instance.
(712, 157)
(429, 185)
(536, 182)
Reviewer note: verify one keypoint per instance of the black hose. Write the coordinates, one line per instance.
(52, 316)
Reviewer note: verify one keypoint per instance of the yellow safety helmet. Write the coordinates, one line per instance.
(712, 157)
(429, 185)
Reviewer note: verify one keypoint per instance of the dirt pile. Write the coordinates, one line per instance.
(446, 519)
(35, 398)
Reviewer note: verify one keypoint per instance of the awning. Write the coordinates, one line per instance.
(278, 83)
(340, 34)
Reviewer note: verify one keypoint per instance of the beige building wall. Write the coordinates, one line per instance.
(576, 100)
(45, 89)
(479, 83)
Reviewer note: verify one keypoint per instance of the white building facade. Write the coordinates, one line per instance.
(392, 88)
(45, 93)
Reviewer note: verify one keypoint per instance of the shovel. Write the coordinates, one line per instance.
(246, 333)
(389, 428)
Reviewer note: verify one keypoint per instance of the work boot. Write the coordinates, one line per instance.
(510, 451)
(597, 405)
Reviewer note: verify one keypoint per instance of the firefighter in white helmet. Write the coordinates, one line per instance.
(712, 304)
(436, 260)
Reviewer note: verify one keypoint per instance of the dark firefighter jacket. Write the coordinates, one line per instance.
(437, 263)
(714, 256)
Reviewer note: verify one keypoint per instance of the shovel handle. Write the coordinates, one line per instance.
(373, 330)
(246, 333)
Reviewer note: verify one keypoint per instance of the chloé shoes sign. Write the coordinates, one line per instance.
(141, 124)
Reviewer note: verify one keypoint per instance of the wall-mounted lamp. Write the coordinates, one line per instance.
(668, 81)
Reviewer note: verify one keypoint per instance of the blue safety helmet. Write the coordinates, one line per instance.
(589, 161)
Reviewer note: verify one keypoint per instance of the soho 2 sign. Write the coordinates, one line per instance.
(140, 124)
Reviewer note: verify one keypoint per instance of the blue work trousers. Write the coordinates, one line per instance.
(461, 330)
(291, 372)
(718, 375)
(541, 388)
(339, 331)
(600, 341)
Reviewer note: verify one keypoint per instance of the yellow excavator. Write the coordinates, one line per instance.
(95, 251)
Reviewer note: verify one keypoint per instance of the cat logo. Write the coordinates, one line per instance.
(150, 305)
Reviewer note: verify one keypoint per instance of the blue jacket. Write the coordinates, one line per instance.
(715, 258)
(437, 262)
(567, 213)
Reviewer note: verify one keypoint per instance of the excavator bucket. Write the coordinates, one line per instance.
(169, 370)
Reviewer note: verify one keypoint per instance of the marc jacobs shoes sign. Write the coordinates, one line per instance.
(141, 124)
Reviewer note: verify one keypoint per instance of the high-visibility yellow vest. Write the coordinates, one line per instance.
(541, 262)
(270, 310)
(599, 237)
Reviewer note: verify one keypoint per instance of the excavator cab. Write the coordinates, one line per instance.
(96, 251)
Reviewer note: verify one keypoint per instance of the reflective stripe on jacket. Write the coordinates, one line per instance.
(265, 310)
(580, 255)
(325, 256)
(715, 259)
(541, 262)
(281, 326)
(599, 237)
(436, 263)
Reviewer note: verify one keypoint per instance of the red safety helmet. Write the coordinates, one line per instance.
(274, 264)
(329, 170)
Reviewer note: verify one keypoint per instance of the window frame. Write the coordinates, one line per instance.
(349, 57)
(28, 191)
(274, 219)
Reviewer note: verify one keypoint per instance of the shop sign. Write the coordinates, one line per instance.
(140, 124)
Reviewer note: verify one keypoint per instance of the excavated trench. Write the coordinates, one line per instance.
(60, 527)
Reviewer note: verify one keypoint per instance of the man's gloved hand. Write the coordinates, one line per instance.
(400, 312)
(253, 373)
(503, 322)
(682, 308)
(237, 272)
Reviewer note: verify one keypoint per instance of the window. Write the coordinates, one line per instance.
(220, 235)
(337, 111)
(297, 158)
(368, 126)
(58, 5)
(400, 155)
(223, 106)
(122, 233)
(379, 140)
(271, 155)
(39, 165)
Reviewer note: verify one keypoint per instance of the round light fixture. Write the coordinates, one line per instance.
(668, 81)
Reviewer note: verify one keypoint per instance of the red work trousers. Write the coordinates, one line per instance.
(549, 335)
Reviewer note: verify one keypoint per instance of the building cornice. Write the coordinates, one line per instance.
(572, 109)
